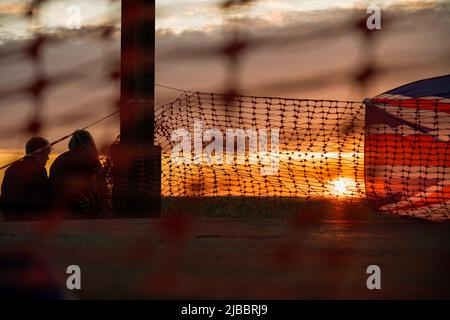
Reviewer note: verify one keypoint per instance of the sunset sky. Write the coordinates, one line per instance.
(186, 15)
(417, 37)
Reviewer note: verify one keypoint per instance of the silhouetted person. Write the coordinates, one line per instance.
(25, 184)
(77, 188)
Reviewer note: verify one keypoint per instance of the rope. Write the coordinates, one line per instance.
(84, 128)
(171, 88)
(60, 139)
(250, 96)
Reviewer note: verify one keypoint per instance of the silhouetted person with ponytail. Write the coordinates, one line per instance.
(25, 184)
(77, 187)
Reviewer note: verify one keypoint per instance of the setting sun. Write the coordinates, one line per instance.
(343, 187)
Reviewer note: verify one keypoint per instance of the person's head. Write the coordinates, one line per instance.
(38, 148)
(82, 140)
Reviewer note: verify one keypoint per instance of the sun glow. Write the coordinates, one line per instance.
(343, 187)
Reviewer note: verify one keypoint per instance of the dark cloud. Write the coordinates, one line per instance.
(312, 55)
(311, 46)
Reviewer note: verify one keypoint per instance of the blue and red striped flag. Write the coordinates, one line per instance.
(407, 149)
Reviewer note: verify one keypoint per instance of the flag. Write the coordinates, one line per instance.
(407, 150)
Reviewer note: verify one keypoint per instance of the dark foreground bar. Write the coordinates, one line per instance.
(252, 309)
(316, 254)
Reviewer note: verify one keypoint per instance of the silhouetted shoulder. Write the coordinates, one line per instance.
(74, 161)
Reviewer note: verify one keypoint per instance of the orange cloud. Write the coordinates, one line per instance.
(13, 8)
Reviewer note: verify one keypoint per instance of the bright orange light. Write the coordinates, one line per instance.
(342, 187)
